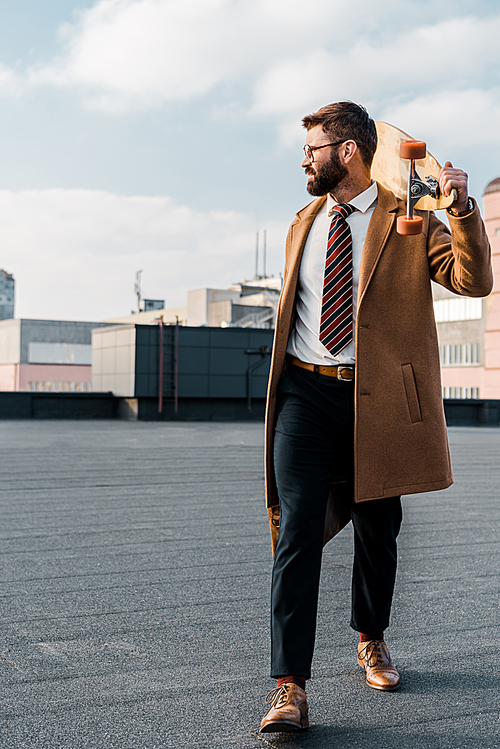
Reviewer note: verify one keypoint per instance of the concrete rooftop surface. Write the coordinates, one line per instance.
(135, 565)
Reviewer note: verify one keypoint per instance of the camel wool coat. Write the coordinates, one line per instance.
(400, 442)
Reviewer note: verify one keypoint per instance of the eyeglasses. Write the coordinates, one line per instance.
(309, 150)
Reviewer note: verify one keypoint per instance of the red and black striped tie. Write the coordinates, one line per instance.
(335, 331)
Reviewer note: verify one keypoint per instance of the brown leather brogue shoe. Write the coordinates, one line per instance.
(288, 712)
(374, 657)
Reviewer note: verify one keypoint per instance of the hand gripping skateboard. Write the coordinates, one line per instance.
(405, 167)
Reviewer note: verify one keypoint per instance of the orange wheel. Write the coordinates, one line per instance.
(408, 226)
(412, 149)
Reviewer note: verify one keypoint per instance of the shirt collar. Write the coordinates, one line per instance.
(361, 202)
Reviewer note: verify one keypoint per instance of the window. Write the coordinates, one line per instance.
(59, 353)
(461, 308)
(459, 355)
(450, 392)
(60, 387)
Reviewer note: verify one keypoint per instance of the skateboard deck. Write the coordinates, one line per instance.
(392, 171)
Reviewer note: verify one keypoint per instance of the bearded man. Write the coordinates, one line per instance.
(355, 415)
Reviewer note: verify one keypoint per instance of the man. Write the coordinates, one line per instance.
(355, 415)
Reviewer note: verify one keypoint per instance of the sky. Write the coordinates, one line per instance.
(161, 135)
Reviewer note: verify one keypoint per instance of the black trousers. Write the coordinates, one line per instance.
(314, 443)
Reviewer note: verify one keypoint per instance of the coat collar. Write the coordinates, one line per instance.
(311, 209)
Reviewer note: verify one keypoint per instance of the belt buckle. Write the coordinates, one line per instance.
(345, 379)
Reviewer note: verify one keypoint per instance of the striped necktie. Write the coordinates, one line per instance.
(336, 328)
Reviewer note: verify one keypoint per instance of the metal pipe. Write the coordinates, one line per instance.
(263, 351)
(160, 368)
(176, 367)
(257, 255)
(264, 251)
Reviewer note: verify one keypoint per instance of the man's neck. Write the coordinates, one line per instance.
(347, 190)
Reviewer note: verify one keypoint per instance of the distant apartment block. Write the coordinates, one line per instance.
(7, 291)
(469, 329)
(47, 355)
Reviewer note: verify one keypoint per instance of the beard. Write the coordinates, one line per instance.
(327, 176)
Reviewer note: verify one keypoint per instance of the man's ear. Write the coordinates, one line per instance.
(349, 148)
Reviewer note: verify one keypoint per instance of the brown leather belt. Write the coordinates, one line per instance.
(344, 373)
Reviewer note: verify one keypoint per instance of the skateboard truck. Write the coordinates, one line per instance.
(417, 188)
(413, 150)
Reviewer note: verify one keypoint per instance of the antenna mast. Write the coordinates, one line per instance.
(137, 289)
(257, 255)
(265, 251)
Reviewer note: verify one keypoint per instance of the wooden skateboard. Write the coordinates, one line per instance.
(405, 167)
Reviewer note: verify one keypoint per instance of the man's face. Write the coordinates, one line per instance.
(326, 171)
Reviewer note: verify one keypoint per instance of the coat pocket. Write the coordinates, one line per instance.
(411, 393)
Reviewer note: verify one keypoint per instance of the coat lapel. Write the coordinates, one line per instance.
(378, 232)
(298, 235)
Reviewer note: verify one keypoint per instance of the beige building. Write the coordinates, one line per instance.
(469, 329)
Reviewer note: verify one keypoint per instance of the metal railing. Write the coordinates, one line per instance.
(254, 319)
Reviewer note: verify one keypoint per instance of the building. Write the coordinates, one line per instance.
(251, 304)
(174, 371)
(469, 329)
(151, 305)
(7, 290)
(48, 355)
(177, 315)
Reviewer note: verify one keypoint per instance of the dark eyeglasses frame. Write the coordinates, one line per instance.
(309, 150)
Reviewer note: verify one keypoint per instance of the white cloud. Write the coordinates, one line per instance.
(11, 82)
(288, 59)
(147, 52)
(394, 76)
(459, 119)
(74, 253)
(124, 53)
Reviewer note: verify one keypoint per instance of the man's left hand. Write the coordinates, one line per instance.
(451, 178)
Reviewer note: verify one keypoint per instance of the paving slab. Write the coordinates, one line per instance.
(134, 597)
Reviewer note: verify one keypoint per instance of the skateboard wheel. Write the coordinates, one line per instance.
(412, 149)
(409, 226)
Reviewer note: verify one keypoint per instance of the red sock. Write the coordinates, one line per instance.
(366, 638)
(299, 680)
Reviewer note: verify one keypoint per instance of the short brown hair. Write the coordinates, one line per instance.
(349, 121)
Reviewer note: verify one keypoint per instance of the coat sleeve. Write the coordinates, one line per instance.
(461, 260)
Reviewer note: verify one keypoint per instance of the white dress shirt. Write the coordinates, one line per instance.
(304, 341)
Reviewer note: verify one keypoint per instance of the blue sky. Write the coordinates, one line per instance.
(160, 134)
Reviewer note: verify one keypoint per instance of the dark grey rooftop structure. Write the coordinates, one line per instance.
(135, 563)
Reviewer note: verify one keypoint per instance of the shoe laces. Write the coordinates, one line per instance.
(373, 651)
(278, 697)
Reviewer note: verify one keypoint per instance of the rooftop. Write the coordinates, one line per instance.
(135, 599)
(493, 186)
